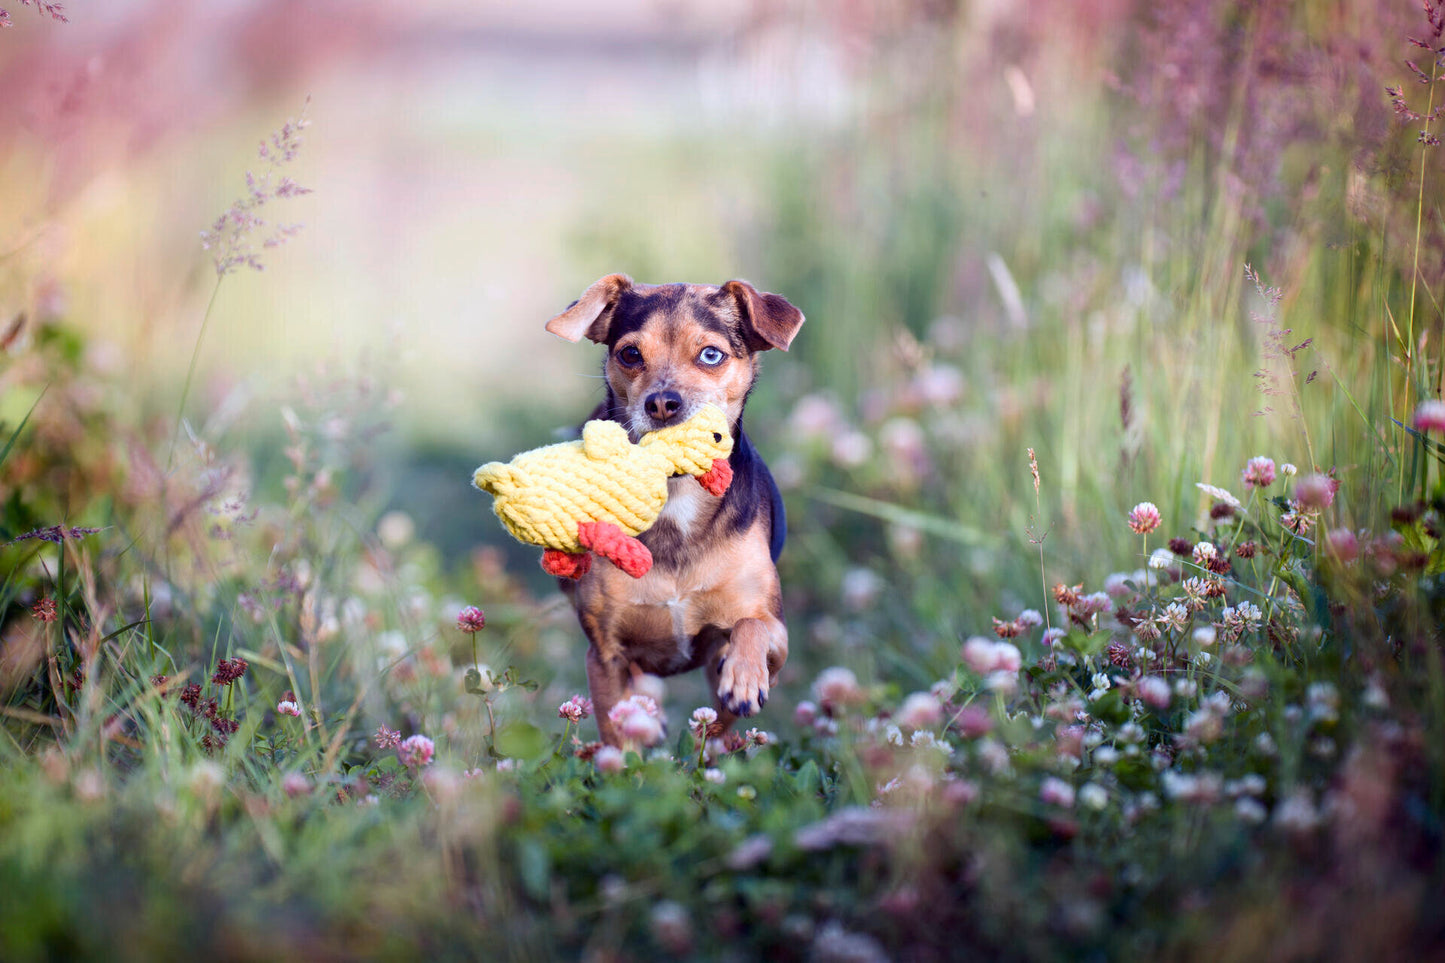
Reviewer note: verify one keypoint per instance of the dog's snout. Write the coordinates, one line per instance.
(663, 406)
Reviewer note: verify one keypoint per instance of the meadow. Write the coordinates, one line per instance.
(1113, 451)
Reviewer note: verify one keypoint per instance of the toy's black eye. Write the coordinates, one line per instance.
(716, 437)
(711, 356)
(630, 356)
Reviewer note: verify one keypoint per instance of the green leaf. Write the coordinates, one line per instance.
(521, 740)
(535, 867)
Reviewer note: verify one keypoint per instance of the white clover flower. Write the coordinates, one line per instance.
(1220, 495)
(1288, 469)
(1161, 558)
(923, 739)
(1174, 617)
(1251, 811)
(1131, 732)
(1055, 792)
(1093, 796)
(1185, 688)
(1205, 636)
(1204, 553)
(1106, 756)
(714, 775)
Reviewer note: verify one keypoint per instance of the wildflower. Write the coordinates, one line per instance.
(1055, 792)
(1204, 553)
(1053, 636)
(386, 738)
(1093, 795)
(920, 710)
(230, 236)
(1101, 683)
(575, 709)
(54, 534)
(228, 671)
(1204, 725)
(1247, 549)
(1144, 518)
(295, 784)
(1343, 544)
(1259, 472)
(416, 751)
(1030, 618)
(471, 619)
(638, 719)
(1194, 589)
(608, 759)
(1324, 702)
(1160, 559)
(836, 686)
(1220, 495)
(1007, 630)
(1118, 654)
(1154, 691)
(1250, 811)
(44, 610)
(1297, 813)
(1315, 492)
(1181, 547)
(1288, 470)
(1430, 416)
(1068, 595)
(1174, 617)
(288, 707)
(751, 851)
(702, 717)
(805, 712)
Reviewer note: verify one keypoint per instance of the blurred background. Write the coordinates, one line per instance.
(1011, 225)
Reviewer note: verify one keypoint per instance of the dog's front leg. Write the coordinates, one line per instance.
(747, 664)
(607, 680)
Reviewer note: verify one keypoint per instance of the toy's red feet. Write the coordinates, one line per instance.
(609, 541)
(717, 479)
(565, 564)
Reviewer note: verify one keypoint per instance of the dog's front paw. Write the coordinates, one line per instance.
(742, 684)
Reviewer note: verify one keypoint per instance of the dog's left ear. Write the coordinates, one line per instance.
(591, 314)
(769, 321)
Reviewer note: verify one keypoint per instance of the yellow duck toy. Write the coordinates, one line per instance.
(598, 493)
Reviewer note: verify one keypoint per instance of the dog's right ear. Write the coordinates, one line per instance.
(591, 314)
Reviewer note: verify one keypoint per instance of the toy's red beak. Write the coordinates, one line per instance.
(717, 479)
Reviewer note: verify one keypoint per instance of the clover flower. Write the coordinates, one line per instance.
(1220, 495)
(44, 610)
(575, 709)
(416, 751)
(702, 717)
(609, 759)
(288, 707)
(1144, 518)
(1259, 472)
(471, 619)
(1053, 791)
(921, 710)
(836, 686)
(1430, 415)
(386, 738)
(638, 720)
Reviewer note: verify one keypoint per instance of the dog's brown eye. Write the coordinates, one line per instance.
(630, 356)
(711, 356)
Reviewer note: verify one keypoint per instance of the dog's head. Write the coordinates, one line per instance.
(672, 348)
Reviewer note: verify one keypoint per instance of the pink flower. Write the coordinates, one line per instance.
(295, 784)
(1259, 472)
(575, 709)
(609, 759)
(1144, 518)
(471, 619)
(638, 720)
(386, 738)
(1430, 416)
(1343, 545)
(837, 686)
(973, 721)
(1315, 492)
(1055, 792)
(416, 751)
(921, 710)
(985, 657)
(702, 717)
(1154, 691)
(805, 712)
(288, 707)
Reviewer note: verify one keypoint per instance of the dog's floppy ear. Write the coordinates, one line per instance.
(591, 314)
(769, 321)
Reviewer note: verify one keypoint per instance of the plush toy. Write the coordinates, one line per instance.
(595, 494)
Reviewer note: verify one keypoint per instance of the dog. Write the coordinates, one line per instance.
(712, 597)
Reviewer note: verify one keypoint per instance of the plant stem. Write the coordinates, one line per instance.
(191, 373)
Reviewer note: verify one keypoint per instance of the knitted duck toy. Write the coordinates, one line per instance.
(599, 492)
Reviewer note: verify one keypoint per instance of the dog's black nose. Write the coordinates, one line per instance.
(661, 406)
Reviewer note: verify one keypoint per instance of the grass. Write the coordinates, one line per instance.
(1013, 724)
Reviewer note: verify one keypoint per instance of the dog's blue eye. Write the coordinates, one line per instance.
(630, 356)
(711, 356)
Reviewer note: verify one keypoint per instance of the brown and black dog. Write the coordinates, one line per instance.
(712, 597)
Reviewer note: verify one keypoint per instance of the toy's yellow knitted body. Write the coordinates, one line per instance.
(563, 496)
